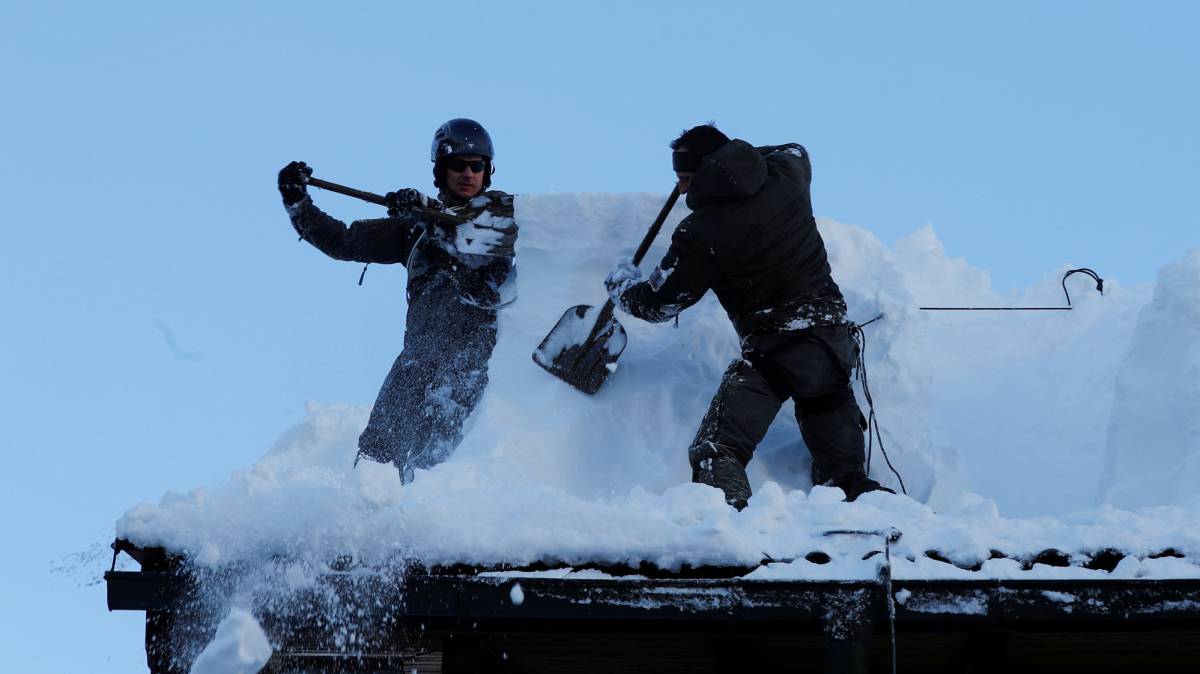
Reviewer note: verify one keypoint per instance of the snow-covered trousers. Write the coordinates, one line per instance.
(812, 367)
(435, 383)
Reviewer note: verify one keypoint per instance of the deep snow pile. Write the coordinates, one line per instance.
(1157, 459)
(1043, 413)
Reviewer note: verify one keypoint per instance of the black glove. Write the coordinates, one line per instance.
(404, 199)
(293, 181)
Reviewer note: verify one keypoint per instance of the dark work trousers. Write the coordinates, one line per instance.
(435, 382)
(812, 367)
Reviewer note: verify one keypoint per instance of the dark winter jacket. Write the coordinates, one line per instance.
(477, 256)
(752, 239)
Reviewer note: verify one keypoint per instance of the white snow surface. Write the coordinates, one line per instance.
(240, 646)
(1076, 424)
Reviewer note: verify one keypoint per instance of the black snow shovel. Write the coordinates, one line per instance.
(583, 347)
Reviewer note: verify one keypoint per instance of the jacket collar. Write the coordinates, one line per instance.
(451, 198)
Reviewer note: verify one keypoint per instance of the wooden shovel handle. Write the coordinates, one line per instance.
(377, 199)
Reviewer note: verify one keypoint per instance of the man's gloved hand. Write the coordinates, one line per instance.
(404, 199)
(624, 275)
(293, 182)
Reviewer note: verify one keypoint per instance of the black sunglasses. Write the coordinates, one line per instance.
(460, 165)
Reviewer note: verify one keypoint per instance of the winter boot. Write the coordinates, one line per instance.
(860, 484)
(716, 468)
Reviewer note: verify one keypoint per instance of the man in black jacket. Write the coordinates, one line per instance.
(752, 239)
(458, 277)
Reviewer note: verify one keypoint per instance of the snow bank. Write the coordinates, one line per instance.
(1013, 406)
(1153, 444)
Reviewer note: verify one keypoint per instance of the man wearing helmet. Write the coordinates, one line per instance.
(458, 278)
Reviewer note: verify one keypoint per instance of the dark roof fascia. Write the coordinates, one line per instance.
(497, 598)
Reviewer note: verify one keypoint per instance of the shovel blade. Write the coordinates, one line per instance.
(580, 351)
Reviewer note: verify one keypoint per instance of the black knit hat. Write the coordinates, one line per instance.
(698, 142)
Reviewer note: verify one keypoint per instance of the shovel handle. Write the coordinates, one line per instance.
(577, 365)
(606, 311)
(377, 199)
(654, 228)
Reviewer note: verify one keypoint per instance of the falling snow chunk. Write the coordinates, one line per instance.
(239, 647)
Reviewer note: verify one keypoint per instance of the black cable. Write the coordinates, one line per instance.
(1081, 270)
(860, 338)
(873, 432)
(994, 308)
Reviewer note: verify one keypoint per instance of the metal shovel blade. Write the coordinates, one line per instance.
(583, 347)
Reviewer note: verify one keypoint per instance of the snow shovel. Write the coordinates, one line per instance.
(583, 347)
(448, 218)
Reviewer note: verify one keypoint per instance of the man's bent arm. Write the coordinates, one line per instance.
(678, 282)
(381, 240)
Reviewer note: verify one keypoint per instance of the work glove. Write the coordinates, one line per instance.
(293, 182)
(621, 278)
(406, 199)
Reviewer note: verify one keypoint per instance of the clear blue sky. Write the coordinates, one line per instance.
(140, 142)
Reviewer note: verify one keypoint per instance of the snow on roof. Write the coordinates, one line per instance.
(1079, 421)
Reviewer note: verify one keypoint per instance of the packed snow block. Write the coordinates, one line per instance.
(545, 473)
(1153, 449)
(239, 647)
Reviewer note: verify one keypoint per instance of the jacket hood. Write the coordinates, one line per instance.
(735, 171)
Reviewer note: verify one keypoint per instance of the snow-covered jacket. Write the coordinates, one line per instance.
(752, 239)
(476, 256)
